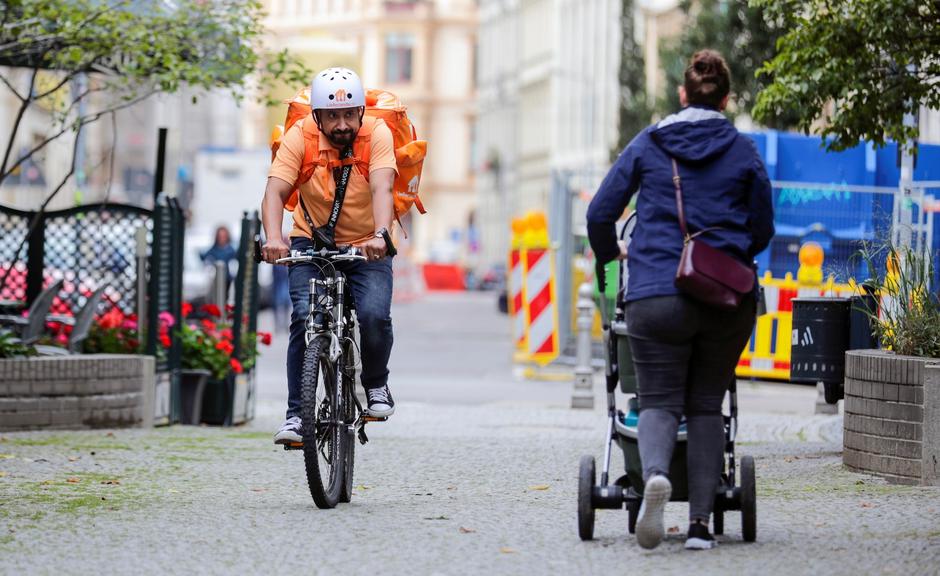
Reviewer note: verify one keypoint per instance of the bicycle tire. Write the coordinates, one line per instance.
(349, 448)
(324, 488)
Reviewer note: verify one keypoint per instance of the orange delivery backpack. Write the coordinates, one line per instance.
(380, 105)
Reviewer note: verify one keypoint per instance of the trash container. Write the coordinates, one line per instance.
(818, 343)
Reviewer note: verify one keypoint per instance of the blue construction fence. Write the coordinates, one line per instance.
(846, 209)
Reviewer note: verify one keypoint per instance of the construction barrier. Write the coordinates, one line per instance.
(532, 296)
(767, 354)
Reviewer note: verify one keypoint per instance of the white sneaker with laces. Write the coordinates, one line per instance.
(380, 401)
(289, 432)
(650, 529)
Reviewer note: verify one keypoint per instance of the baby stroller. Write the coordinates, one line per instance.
(627, 490)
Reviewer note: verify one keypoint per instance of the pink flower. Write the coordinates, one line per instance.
(62, 338)
(167, 319)
(129, 324)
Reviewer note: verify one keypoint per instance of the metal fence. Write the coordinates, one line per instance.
(843, 219)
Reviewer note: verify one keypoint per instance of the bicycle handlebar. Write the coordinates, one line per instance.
(297, 256)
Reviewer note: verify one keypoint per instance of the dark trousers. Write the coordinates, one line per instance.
(371, 286)
(685, 354)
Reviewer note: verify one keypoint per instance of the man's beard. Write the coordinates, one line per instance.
(342, 138)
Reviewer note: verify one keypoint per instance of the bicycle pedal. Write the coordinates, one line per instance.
(367, 418)
(294, 446)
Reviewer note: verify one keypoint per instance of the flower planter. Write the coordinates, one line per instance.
(229, 401)
(77, 391)
(192, 390)
(892, 416)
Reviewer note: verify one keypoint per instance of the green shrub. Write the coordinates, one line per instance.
(10, 346)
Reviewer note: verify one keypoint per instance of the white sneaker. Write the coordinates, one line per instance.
(650, 529)
(380, 400)
(289, 432)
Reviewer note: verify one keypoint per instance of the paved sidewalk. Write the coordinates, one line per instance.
(440, 490)
(475, 474)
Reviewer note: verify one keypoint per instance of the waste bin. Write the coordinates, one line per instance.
(823, 329)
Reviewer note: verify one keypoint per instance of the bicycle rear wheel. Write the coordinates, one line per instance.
(323, 427)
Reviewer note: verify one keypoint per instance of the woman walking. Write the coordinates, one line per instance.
(685, 351)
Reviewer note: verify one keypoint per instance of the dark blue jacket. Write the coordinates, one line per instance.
(724, 184)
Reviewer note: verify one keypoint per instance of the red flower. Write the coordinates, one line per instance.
(265, 338)
(208, 325)
(211, 310)
(111, 319)
(62, 338)
(165, 340)
(236, 366)
(187, 309)
(229, 308)
(226, 334)
(225, 346)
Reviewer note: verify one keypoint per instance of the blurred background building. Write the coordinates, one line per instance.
(424, 51)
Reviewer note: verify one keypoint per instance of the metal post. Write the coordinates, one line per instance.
(822, 407)
(141, 237)
(583, 395)
(219, 284)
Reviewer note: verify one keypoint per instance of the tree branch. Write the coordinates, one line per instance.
(39, 213)
(11, 87)
(80, 123)
(24, 105)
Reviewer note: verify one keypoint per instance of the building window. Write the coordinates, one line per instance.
(398, 55)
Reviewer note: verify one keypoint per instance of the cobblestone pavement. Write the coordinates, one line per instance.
(442, 488)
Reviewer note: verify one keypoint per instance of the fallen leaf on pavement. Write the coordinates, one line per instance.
(3, 439)
(673, 530)
(436, 518)
(259, 489)
(6, 456)
(539, 487)
(74, 458)
(110, 434)
(110, 481)
(859, 482)
(451, 487)
(867, 505)
(507, 550)
(364, 487)
(172, 491)
(73, 480)
(46, 482)
(466, 530)
(3, 474)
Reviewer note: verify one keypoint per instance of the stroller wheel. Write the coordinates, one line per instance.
(585, 506)
(748, 499)
(633, 510)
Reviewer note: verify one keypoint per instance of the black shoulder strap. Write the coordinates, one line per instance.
(324, 236)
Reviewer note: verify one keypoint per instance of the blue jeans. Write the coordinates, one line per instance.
(371, 285)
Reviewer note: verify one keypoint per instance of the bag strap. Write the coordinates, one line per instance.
(677, 182)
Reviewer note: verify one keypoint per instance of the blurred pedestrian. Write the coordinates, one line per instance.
(685, 351)
(222, 251)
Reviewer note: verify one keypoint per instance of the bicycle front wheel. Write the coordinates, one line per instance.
(322, 415)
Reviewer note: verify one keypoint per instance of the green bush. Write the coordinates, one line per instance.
(908, 319)
(10, 346)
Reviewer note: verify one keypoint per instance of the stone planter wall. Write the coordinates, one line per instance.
(80, 391)
(891, 416)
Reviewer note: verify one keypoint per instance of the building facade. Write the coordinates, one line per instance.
(424, 51)
(547, 108)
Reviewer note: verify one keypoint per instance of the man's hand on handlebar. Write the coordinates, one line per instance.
(274, 249)
(373, 249)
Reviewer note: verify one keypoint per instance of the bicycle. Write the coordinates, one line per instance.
(331, 414)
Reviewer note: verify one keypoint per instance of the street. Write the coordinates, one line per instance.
(475, 473)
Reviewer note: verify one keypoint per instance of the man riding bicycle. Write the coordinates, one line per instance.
(341, 204)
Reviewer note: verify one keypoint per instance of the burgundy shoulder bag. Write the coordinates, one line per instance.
(706, 273)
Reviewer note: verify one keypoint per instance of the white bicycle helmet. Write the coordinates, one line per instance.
(337, 88)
